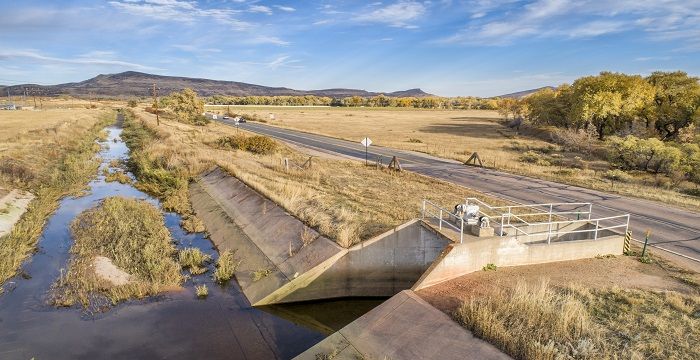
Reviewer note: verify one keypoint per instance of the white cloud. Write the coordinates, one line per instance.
(260, 9)
(286, 8)
(283, 61)
(500, 23)
(195, 49)
(400, 14)
(95, 58)
(180, 11)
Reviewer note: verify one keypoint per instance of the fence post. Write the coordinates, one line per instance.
(590, 210)
(423, 211)
(550, 213)
(627, 226)
(646, 241)
(461, 230)
(440, 219)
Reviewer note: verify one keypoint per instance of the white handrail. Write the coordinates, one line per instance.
(440, 216)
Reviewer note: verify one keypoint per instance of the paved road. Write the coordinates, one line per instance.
(673, 229)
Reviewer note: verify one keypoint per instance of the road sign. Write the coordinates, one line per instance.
(366, 142)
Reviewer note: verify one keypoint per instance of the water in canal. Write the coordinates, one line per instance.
(175, 325)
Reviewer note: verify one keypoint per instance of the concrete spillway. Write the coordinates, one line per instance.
(269, 242)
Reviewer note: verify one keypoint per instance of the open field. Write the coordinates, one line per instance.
(49, 160)
(344, 200)
(456, 134)
(609, 307)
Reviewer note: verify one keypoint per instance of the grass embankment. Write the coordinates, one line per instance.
(547, 322)
(132, 234)
(51, 154)
(608, 307)
(455, 134)
(165, 177)
(343, 200)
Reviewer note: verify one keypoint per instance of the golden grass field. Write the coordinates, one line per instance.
(456, 134)
(49, 153)
(41, 126)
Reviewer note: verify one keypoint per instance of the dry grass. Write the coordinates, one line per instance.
(201, 290)
(455, 134)
(41, 126)
(116, 175)
(50, 158)
(194, 260)
(133, 235)
(343, 200)
(226, 266)
(547, 322)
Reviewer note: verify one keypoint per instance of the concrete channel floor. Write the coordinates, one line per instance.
(403, 327)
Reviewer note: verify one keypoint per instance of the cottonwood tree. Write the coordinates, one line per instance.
(676, 102)
(551, 107)
(610, 100)
(186, 105)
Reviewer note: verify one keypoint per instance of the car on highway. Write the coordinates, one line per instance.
(225, 117)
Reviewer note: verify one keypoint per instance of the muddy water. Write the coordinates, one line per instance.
(175, 325)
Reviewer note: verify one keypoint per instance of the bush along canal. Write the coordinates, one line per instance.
(197, 319)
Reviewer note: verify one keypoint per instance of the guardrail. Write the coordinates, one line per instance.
(439, 215)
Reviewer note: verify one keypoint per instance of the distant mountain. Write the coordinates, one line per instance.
(132, 83)
(524, 93)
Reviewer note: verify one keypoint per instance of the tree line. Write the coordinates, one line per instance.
(430, 102)
(663, 104)
(649, 123)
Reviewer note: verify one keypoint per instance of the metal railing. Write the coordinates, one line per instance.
(505, 213)
(555, 231)
(439, 214)
(510, 218)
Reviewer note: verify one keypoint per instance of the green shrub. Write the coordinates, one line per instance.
(256, 144)
(262, 145)
(617, 175)
(533, 157)
(414, 140)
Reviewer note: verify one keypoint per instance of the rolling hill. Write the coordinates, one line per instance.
(132, 83)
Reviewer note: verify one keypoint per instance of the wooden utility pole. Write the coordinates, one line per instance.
(155, 103)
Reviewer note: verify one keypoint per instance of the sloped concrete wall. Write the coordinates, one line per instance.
(262, 234)
(403, 327)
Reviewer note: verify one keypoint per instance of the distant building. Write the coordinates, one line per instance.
(8, 107)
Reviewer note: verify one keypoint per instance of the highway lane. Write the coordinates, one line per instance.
(673, 229)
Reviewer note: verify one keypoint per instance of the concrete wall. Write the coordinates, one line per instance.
(403, 327)
(262, 233)
(461, 259)
(382, 266)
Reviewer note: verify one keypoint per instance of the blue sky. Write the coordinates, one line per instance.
(449, 48)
